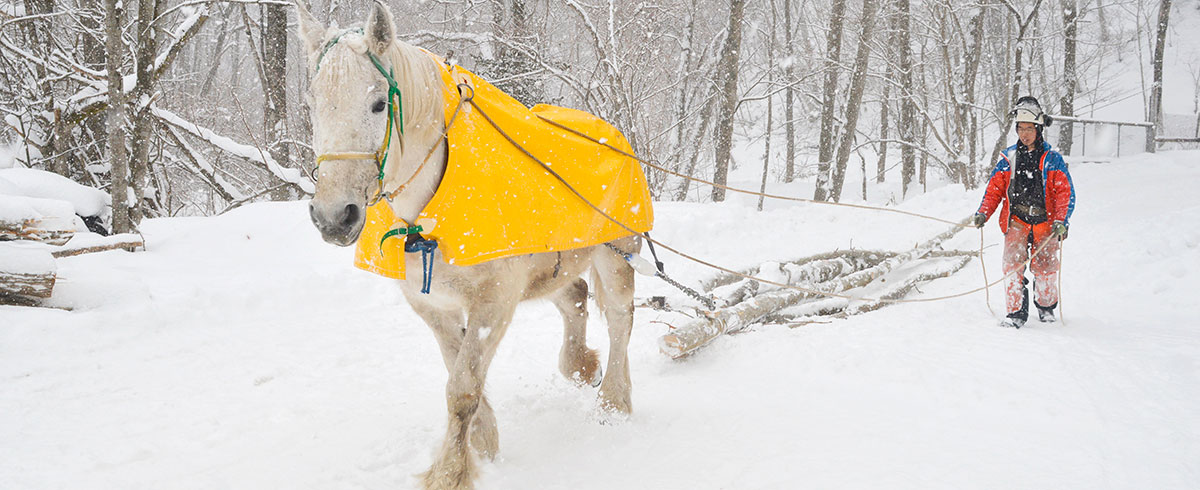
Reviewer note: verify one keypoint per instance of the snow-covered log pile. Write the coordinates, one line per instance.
(42, 218)
(30, 218)
(835, 283)
(26, 274)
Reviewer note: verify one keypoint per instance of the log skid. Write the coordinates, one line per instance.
(830, 273)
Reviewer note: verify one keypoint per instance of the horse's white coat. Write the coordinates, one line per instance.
(469, 308)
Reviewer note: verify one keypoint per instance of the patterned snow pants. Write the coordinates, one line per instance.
(1021, 240)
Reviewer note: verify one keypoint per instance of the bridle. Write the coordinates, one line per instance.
(395, 109)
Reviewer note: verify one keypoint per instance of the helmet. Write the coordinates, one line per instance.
(1029, 110)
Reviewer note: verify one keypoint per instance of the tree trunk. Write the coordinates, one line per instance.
(789, 173)
(1070, 79)
(275, 110)
(218, 50)
(827, 137)
(974, 54)
(727, 78)
(884, 106)
(857, 85)
(762, 188)
(117, 121)
(143, 121)
(705, 119)
(1156, 110)
(907, 120)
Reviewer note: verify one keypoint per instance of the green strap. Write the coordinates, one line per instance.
(393, 89)
(395, 98)
(411, 230)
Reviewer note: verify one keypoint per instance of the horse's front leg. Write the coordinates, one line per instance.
(449, 326)
(486, 324)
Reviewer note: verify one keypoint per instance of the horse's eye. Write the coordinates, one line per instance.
(378, 106)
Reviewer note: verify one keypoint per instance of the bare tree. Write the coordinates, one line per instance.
(1070, 9)
(858, 80)
(275, 81)
(727, 77)
(114, 50)
(907, 120)
(1155, 110)
(833, 51)
(789, 131)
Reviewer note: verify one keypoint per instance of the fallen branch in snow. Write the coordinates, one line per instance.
(125, 241)
(700, 331)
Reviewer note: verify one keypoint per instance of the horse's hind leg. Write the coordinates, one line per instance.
(613, 279)
(448, 327)
(576, 361)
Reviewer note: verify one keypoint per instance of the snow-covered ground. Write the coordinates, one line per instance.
(242, 352)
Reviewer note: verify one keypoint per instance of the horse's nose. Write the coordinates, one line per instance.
(338, 226)
(349, 216)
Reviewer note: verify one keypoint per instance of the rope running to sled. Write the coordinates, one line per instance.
(735, 189)
(724, 269)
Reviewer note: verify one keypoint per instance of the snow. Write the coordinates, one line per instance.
(242, 345)
(25, 258)
(87, 201)
(51, 214)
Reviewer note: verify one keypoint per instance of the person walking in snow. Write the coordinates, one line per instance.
(1032, 181)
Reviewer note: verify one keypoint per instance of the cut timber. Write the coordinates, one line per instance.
(126, 241)
(30, 218)
(33, 230)
(802, 271)
(700, 331)
(882, 291)
(725, 278)
(25, 273)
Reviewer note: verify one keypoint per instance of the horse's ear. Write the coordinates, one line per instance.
(380, 29)
(310, 31)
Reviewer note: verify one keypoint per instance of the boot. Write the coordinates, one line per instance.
(1017, 318)
(1046, 313)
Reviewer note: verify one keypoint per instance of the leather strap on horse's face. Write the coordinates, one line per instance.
(395, 108)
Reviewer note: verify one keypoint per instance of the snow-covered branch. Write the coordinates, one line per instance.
(249, 153)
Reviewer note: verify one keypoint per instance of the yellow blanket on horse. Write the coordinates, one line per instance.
(494, 201)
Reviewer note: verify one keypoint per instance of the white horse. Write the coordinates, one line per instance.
(469, 308)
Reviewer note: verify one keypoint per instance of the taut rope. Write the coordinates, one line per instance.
(551, 171)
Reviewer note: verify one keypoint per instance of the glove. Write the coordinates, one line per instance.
(978, 220)
(1059, 230)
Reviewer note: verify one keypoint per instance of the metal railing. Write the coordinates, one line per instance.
(1150, 128)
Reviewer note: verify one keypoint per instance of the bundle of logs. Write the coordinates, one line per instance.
(832, 284)
(29, 244)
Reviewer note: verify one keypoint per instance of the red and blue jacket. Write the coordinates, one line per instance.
(1060, 192)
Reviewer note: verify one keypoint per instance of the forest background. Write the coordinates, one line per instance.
(195, 107)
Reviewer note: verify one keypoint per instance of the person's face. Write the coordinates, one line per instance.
(1026, 132)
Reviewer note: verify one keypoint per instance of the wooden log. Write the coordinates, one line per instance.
(25, 273)
(126, 241)
(725, 279)
(29, 218)
(31, 229)
(807, 273)
(702, 330)
(880, 292)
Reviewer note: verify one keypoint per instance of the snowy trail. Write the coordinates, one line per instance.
(242, 352)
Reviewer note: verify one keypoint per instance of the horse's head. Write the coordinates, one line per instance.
(357, 107)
